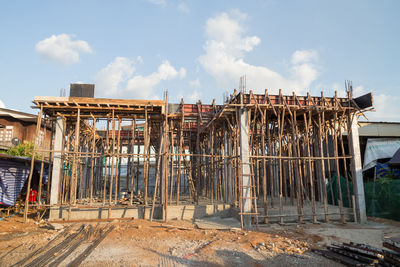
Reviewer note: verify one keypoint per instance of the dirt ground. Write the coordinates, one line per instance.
(182, 243)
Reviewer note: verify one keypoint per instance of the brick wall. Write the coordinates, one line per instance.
(25, 131)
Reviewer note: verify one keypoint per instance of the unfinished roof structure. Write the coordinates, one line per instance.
(269, 157)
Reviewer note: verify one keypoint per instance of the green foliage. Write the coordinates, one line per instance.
(21, 150)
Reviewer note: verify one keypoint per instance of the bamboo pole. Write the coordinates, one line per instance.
(41, 168)
(28, 187)
(92, 161)
(75, 159)
(106, 159)
(117, 165)
(311, 180)
(112, 164)
(133, 130)
(172, 161)
(180, 152)
(335, 147)
(323, 175)
(145, 163)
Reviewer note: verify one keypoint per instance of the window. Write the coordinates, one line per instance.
(6, 133)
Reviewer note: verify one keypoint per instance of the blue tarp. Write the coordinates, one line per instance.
(13, 174)
(383, 170)
(12, 179)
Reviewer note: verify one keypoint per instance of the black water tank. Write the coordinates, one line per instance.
(81, 90)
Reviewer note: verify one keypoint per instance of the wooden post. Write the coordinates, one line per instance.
(75, 158)
(117, 165)
(112, 164)
(107, 152)
(92, 160)
(323, 176)
(133, 130)
(145, 174)
(180, 152)
(42, 166)
(307, 124)
(28, 187)
(335, 147)
(165, 159)
(172, 161)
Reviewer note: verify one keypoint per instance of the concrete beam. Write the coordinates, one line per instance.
(356, 170)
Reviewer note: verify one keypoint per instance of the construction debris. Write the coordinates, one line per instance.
(354, 254)
(60, 248)
(56, 226)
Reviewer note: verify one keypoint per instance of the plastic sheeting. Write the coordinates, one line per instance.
(384, 171)
(12, 179)
(395, 161)
(13, 175)
(379, 148)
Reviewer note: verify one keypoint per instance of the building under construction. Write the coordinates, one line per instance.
(264, 158)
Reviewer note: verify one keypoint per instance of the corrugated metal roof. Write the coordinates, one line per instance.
(18, 115)
(379, 129)
(21, 159)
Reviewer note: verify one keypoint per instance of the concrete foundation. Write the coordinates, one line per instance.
(180, 212)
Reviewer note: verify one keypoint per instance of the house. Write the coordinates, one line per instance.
(17, 127)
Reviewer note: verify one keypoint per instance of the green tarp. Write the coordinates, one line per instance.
(383, 198)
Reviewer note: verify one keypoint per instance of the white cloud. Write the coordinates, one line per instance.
(2, 104)
(304, 56)
(224, 58)
(118, 78)
(189, 96)
(109, 79)
(387, 108)
(139, 59)
(158, 2)
(183, 7)
(195, 83)
(359, 91)
(61, 49)
(194, 96)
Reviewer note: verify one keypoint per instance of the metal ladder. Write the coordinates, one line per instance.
(254, 211)
(192, 187)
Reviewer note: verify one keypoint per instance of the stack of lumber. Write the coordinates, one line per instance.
(354, 254)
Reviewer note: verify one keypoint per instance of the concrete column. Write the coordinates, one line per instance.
(56, 172)
(356, 170)
(244, 158)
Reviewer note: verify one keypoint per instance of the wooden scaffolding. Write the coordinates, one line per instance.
(256, 152)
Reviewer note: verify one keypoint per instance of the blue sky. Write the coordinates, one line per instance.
(199, 49)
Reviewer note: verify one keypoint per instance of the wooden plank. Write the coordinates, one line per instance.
(89, 100)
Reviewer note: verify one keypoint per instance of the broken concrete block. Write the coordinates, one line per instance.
(56, 226)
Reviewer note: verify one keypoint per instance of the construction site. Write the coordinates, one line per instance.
(262, 179)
